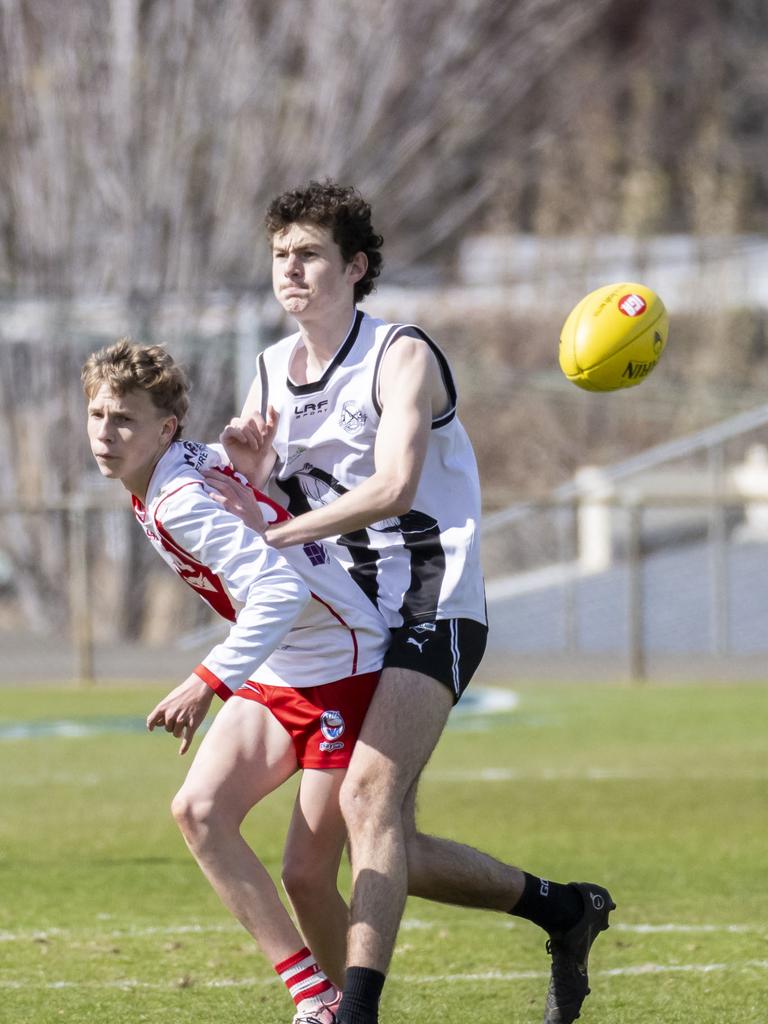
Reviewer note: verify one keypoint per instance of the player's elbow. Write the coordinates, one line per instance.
(298, 595)
(283, 593)
(398, 494)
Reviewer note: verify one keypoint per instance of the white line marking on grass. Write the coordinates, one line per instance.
(54, 779)
(409, 924)
(480, 700)
(615, 972)
(636, 970)
(653, 929)
(118, 933)
(415, 924)
(71, 729)
(585, 775)
(125, 984)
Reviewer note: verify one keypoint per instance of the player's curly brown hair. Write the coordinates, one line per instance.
(340, 208)
(126, 366)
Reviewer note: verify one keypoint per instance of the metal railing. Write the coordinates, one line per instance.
(538, 556)
(705, 531)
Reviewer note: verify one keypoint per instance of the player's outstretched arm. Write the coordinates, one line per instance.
(182, 710)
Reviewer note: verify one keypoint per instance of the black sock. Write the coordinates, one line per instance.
(362, 991)
(551, 905)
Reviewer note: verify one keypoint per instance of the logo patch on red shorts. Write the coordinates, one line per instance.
(332, 727)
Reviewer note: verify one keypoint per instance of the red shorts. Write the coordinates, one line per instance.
(323, 721)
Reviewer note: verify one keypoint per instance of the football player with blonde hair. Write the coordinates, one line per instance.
(296, 671)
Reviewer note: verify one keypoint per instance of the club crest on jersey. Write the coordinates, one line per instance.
(195, 454)
(352, 417)
(332, 727)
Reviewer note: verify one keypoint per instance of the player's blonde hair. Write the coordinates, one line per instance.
(126, 366)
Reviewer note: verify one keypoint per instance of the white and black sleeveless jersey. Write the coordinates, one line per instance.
(296, 617)
(421, 566)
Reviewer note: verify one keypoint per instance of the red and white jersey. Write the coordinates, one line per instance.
(296, 615)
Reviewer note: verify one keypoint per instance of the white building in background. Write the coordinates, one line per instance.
(526, 273)
(676, 498)
(690, 273)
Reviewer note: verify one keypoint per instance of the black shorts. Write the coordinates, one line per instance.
(448, 650)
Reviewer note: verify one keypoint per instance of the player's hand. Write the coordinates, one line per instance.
(235, 498)
(182, 711)
(248, 443)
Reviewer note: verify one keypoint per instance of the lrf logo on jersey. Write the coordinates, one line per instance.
(310, 408)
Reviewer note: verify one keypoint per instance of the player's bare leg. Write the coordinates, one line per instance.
(448, 872)
(403, 724)
(311, 860)
(438, 869)
(245, 755)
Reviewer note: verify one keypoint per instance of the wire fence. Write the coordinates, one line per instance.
(112, 613)
(653, 566)
(637, 589)
(610, 585)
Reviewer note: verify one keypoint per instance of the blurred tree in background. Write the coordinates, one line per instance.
(140, 141)
(654, 122)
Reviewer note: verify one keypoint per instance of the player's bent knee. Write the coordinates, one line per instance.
(353, 803)
(302, 879)
(367, 803)
(192, 814)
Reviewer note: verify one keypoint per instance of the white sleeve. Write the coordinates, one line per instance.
(272, 593)
(219, 455)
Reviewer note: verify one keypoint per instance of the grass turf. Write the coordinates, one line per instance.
(658, 793)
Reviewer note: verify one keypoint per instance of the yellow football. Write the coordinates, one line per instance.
(614, 337)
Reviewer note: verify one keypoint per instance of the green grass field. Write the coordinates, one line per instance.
(659, 793)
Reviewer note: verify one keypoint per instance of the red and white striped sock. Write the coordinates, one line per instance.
(308, 985)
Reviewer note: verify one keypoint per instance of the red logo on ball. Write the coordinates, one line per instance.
(632, 304)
